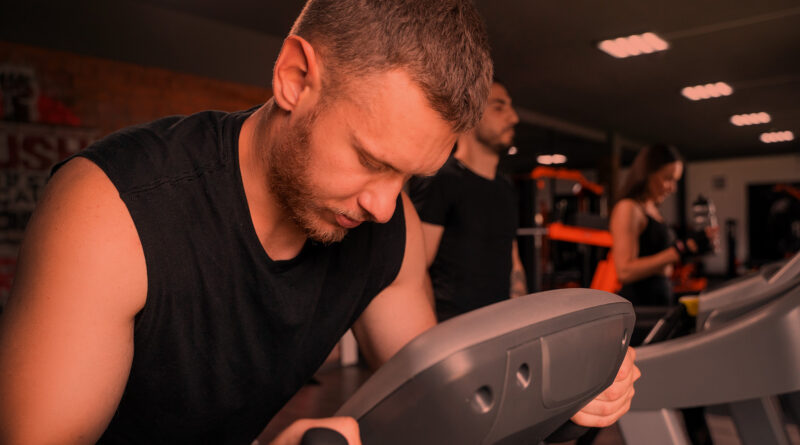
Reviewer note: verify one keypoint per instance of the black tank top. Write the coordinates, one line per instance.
(227, 335)
(655, 290)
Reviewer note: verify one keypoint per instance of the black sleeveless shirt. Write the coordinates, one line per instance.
(655, 290)
(227, 335)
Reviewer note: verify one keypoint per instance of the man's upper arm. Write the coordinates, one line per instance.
(66, 338)
(405, 308)
(432, 236)
(432, 203)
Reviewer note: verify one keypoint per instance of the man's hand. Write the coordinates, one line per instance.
(346, 426)
(615, 401)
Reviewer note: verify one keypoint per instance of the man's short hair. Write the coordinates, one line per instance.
(441, 44)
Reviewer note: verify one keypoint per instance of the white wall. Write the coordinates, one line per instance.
(731, 200)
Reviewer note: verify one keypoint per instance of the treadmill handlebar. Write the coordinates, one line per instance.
(478, 326)
(746, 292)
(511, 372)
(789, 270)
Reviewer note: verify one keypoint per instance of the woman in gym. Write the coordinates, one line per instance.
(644, 247)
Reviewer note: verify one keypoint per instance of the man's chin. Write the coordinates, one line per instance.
(328, 235)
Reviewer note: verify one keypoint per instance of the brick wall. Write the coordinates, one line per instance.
(108, 95)
(98, 95)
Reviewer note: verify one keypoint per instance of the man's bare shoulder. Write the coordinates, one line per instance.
(81, 224)
(66, 341)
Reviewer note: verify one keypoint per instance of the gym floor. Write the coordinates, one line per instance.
(333, 384)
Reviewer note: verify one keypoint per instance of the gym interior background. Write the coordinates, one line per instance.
(72, 72)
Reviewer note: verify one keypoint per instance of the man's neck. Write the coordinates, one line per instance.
(476, 156)
(278, 234)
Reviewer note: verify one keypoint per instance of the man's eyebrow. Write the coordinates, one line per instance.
(499, 100)
(362, 151)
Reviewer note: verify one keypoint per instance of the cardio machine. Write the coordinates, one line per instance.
(509, 373)
(744, 354)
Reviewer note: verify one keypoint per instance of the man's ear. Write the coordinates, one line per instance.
(296, 76)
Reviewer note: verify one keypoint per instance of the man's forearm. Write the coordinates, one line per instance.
(519, 286)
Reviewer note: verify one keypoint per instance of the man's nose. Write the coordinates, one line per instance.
(380, 199)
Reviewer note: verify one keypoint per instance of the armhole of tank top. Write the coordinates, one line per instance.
(647, 217)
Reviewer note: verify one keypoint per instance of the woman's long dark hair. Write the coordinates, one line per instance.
(648, 161)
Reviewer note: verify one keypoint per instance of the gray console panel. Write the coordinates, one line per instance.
(509, 373)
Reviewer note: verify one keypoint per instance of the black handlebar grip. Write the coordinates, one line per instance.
(323, 436)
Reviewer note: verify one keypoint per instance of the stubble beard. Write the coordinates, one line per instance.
(494, 141)
(288, 179)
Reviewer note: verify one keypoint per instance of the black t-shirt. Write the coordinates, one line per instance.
(472, 267)
(227, 335)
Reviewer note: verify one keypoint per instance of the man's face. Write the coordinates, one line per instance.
(346, 162)
(496, 128)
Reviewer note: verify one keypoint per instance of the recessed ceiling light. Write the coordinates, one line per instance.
(707, 91)
(777, 136)
(634, 45)
(750, 119)
(551, 159)
(512, 150)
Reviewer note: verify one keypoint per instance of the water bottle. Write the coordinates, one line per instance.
(704, 215)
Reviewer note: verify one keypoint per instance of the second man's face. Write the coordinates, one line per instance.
(496, 128)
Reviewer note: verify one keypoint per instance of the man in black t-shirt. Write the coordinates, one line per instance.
(469, 222)
(469, 217)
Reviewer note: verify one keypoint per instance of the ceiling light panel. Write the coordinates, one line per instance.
(634, 45)
(750, 119)
(777, 136)
(707, 91)
(553, 159)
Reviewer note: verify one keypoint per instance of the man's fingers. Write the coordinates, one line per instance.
(599, 418)
(622, 386)
(601, 413)
(627, 364)
(615, 401)
(617, 390)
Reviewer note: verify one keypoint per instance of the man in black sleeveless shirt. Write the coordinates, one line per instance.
(180, 280)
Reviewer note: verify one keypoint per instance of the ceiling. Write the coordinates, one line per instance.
(570, 95)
